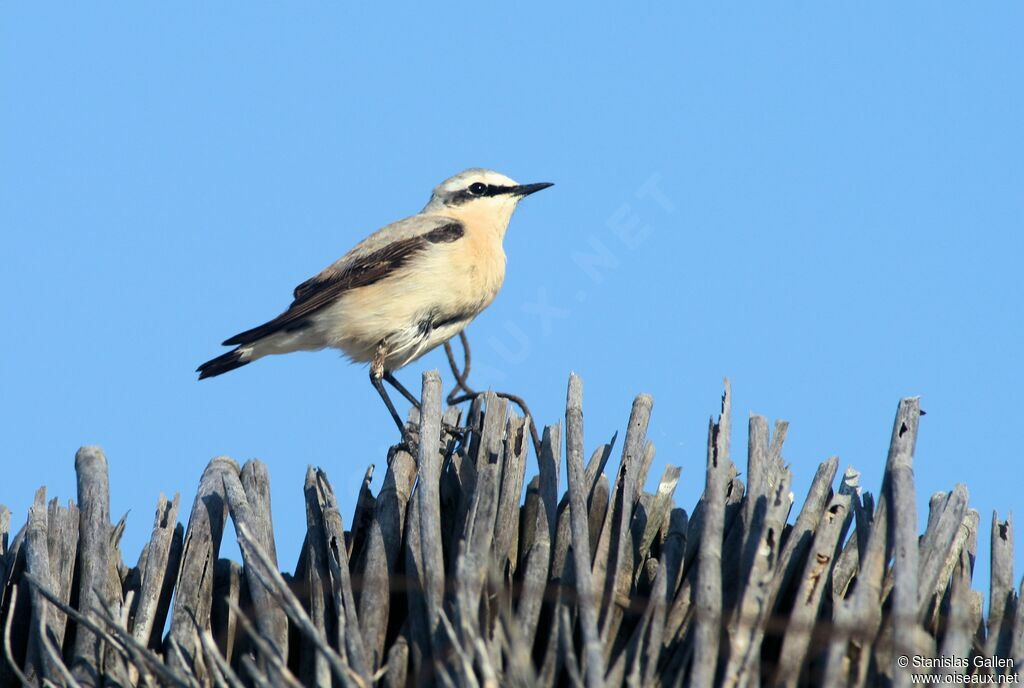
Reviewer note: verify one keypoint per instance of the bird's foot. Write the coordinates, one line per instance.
(410, 442)
(457, 433)
(455, 430)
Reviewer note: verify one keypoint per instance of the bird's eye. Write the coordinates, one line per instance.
(477, 188)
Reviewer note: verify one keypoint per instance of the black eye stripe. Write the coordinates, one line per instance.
(470, 192)
(495, 190)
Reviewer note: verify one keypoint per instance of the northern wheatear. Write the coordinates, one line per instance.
(403, 290)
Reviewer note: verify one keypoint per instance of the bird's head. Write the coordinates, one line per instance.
(480, 195)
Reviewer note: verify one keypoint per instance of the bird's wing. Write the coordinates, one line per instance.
(373, 259)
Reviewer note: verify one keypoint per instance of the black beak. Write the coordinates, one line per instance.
(527, 189)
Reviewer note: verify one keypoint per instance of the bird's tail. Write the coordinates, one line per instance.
(222, 364)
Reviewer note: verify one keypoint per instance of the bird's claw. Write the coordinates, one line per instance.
(410, 442)
(455, 429)
(458, 433)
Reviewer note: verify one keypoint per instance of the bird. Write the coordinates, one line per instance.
(400, 292)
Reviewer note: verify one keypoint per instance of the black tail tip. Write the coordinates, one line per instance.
(221, 364)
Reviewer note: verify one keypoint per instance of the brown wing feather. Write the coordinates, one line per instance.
(315, 293)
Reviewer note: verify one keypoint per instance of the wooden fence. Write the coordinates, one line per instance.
(447, 577)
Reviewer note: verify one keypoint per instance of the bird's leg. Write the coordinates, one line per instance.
(379, 386)
(376, 377)
(390, 378)
(393, 381)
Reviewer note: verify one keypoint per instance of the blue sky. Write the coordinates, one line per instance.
(823, 203)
